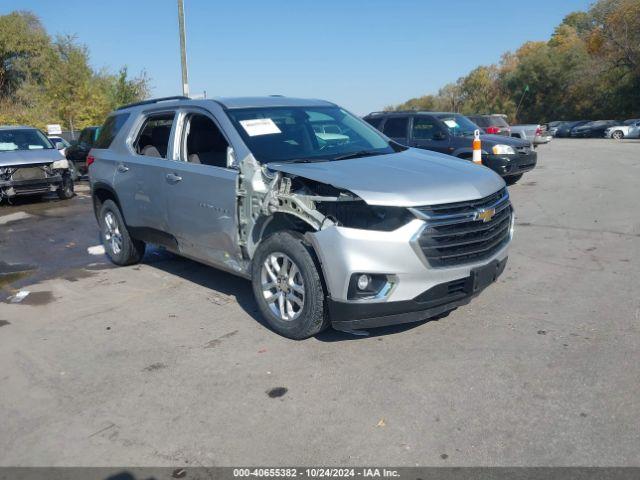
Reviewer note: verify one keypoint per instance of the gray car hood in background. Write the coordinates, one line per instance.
(406, 179)
(16, 158)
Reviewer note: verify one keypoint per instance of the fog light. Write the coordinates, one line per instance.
(363, 282)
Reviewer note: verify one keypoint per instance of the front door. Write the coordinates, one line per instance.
(201, 193)
(427, 133)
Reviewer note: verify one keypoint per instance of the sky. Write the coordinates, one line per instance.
(361, 54)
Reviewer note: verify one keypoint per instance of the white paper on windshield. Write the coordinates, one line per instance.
(259, 126)
(451, 123)
(35, 147)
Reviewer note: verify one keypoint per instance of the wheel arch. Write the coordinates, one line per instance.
(101, 192)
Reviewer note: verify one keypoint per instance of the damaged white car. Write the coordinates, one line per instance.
(31, 165)
(348, 229)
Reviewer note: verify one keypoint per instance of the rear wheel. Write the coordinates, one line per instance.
(287, 286)
(118, 244)
(618, 135)
(513, 178)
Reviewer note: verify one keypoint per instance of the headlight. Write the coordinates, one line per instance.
(503, 150)
(60, 164)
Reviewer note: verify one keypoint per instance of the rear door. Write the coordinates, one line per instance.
(140, 177)
(427, 133)
(397, 129)
(201, 191)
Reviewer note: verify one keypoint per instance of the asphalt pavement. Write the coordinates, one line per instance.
(169, 363)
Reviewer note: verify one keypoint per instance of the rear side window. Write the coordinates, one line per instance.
(498, 121)
(481, 121)
(396, 127)
(374, 122)
(110, 129)
(153, 139)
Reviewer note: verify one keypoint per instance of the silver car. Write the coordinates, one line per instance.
(354, 230)
(31, 164)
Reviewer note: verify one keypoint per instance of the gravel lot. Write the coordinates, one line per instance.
(168, 363)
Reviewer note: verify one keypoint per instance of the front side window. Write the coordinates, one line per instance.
(458, 125)
(23, 139)
(424, 128)
(153, 139)
(204, 143)
(110, 129)
(281, 134)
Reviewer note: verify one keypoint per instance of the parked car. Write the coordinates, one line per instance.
(593, 129)
(629, 129)
(564, 129)
(60, 143)
(359, 234)
(79, 150)
(30, 165)
(552, 127)
(533, 133)
(492, 124)
(452, 133)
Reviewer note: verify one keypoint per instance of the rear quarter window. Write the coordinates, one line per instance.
(110, 129)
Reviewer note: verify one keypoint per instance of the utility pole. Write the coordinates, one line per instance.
(183, 49)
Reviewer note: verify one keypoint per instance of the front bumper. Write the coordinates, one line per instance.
(506, 165)
(435, 301)
(13, 188)
(345, 251)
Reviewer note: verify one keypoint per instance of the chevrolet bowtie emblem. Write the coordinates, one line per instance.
(486, 215)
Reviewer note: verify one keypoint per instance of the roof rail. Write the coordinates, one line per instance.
(383, 112)
(153, 100)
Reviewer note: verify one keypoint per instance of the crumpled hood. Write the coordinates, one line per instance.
(16, 158)
(405, 179)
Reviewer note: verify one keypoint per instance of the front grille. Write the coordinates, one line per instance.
(456, 233)
(29, 173)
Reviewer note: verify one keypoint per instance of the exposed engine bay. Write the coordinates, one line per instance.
(267, 197)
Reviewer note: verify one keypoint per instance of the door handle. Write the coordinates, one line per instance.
(173, 178)
(123, 168)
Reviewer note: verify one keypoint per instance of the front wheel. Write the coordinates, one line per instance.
(513, 178)
(617, 135)
(118, 244)
(65, 190)
(287, 286)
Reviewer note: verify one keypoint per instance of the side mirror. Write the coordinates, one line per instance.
(232, 162)
(59, 145)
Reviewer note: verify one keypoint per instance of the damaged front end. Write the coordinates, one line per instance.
(269, 200)
(33, 179)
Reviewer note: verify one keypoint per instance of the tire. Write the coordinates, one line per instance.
(617, 135)
(513, 178)
(118, 244)
(65, 191)
(301, 312)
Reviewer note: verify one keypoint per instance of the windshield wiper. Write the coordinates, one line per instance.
(361, 153)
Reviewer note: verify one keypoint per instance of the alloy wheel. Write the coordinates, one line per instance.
(282, 286)
(112, 234)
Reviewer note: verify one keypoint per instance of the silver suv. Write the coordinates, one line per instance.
(331, 221)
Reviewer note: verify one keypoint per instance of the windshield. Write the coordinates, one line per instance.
(458, 125)
(23, 139)
(281, 134)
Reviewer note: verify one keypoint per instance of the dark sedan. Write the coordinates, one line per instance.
(564, 129)
(593, 129)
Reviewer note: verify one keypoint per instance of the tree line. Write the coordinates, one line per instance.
(47, 80)
(588, 69)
